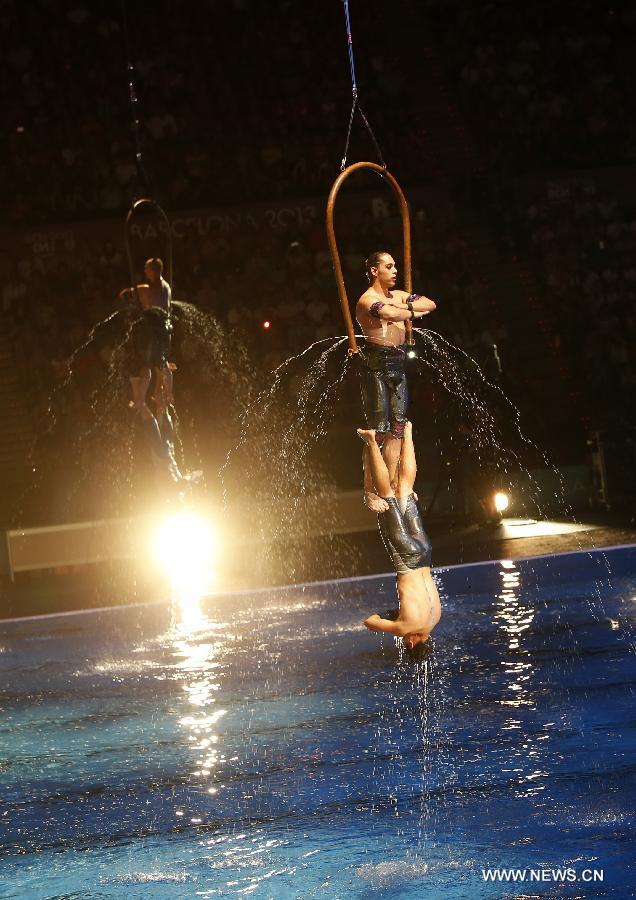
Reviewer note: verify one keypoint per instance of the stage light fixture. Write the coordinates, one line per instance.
(502, 501)
(185, 547)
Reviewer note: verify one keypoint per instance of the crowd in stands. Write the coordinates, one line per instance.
(547, 85)
(228, 114)
(583, 238)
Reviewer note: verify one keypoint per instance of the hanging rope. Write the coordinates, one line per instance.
(356, 103)
(352, 64)
(145, 201)
(132, 93)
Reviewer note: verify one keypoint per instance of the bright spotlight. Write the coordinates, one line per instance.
(411, 354)
(185, 547)
(267, 324)
(502, 501)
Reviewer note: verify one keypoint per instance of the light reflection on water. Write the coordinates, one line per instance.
(199, 644)
(514, 615)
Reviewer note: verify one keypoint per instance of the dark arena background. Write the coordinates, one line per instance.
(237, 551)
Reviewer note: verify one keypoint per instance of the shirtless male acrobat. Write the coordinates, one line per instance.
(407, 543)
(381, 313)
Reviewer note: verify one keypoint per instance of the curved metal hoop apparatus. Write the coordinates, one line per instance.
(134, 209)
(333, 247)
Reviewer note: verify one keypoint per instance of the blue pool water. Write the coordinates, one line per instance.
(266, 745)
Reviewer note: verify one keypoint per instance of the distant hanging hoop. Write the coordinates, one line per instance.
(146, 202)
(333, 246)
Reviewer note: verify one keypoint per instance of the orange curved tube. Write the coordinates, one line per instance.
(146, 201)
(333, 247)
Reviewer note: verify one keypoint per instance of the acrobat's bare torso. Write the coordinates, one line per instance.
(376, 329)
(155, 294)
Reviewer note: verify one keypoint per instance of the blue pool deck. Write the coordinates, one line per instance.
(265, 745)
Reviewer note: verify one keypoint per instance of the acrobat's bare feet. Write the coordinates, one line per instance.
(367, 435)
(375, 503)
